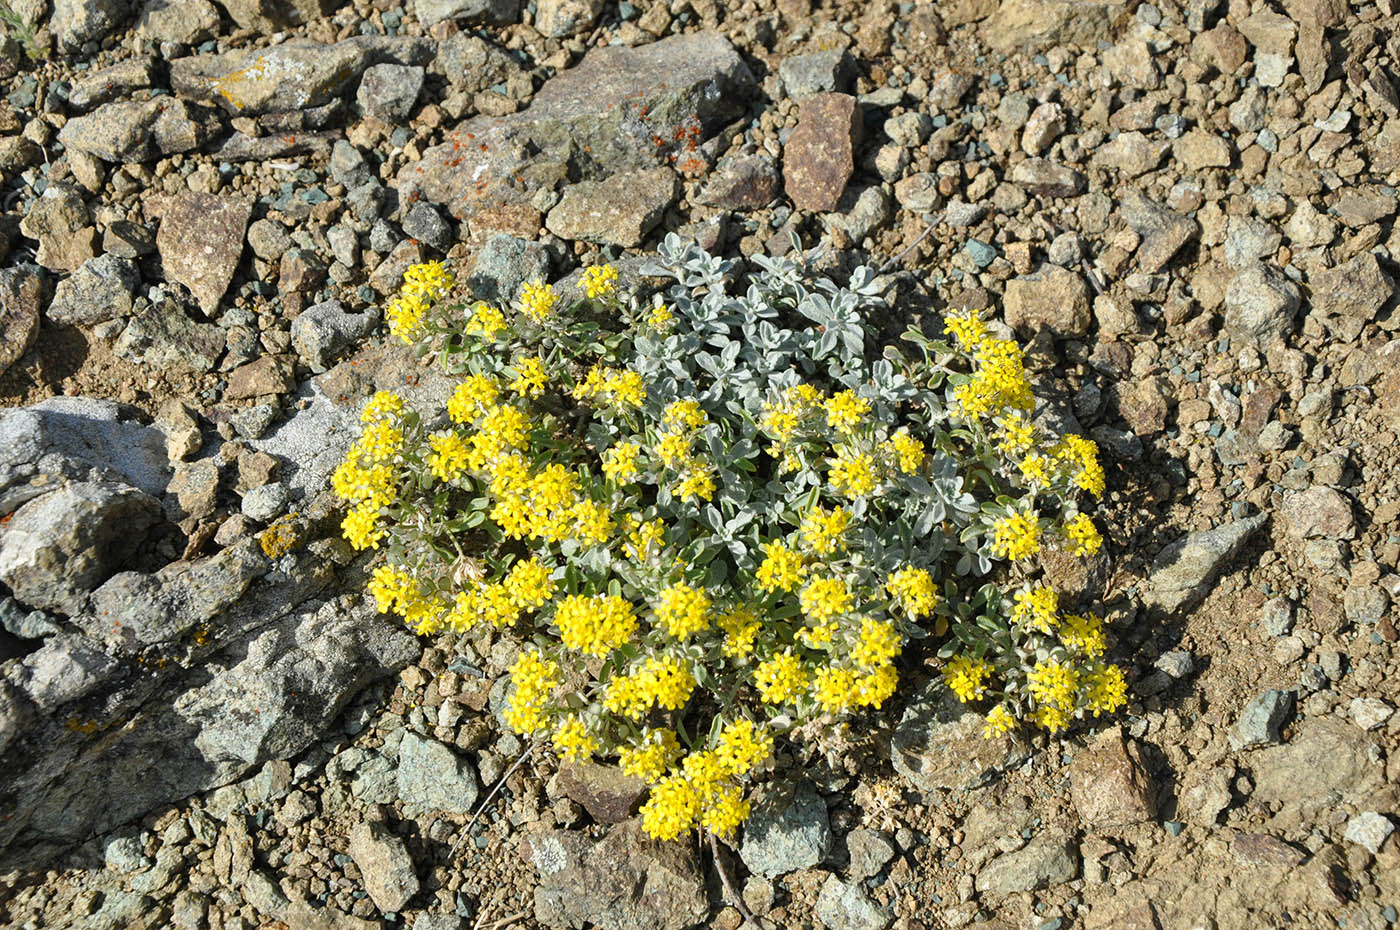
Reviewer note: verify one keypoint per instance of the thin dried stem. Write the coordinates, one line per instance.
(481, 809)
(724, 880)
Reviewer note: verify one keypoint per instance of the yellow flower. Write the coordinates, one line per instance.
(1084, 535)
(683, 610)
(835, 689)
(486, 321)
(537, 300)
(697, 482)
(572, 740)
(599, 281)
(528, 584)
(391, 586)
(1016, 536)
(380, 441)
(530, 377)
(824, 598)
(665, 682)
(824, 530)
(595, 625)
(405, 315)
(875, 687)
(966, 328)
(908, 451)
(620, 462)
(1051, 717)
(741, 628)
(673, 448)
(782, 569)
(384, 405)
(660, 317)
(1015, 434)
(877, 645)
(998, 380)
(845, 410)
(1053, 683)
(449, 456)
(967, 677)
(1082, 455)
(534, 679)
(914, 590)
(999, 722)
(1037, 608)
(361, 526)
(1034, 469)
(724, 811)
(742, 745)
(655, 752)
(684, 414)
(1084, 634)
(780, 678)
(592, 522)
(1105, 688)
(671, 809)
(473, 397)
(853, 473)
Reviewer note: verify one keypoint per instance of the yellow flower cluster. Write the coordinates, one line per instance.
(423, 285)
(595, 624)
(1037, 608)
(662, 681)
(999, 375)
(599, 281)
(611, 388)
(967, 677)
(546, 505)
(1083, 455)
(741, 628)
(1084, 536)
(683, 610)
(573, 741)
(780, 678)
(824, 531)
(1016, 536)
(908, 452)
(537, 300)
(660, 317)
(853, 474)
(702, 791)
(534, 679)
(782, 418)
(366, 478)
(845, 411)
(913, 589)
(1054, 686)
(530, 377)
(653, 753)
(782, 569)
(825, 598)
(620, 462)
(486, 321)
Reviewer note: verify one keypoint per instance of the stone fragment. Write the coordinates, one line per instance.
(431, 776)
(871, 212)
(1044, 126)
(787, 831)
(1163, 232)
(1318, 511)
(200, 241)
(1271, 33)
(61, 545)
(558, 19)
(1221, 48)
(1110, 784)
(1053, 299)
(74, 23)
(1132, 64)
(164, 337)
(112, 82)
(938, 743)
(59, 219)
(618, 211)
(1262, 719)
(326, 330)
(1131, 153)
(1044, 862)
(1322, 758)
(1198, 149)
(1369, 829)
(1182, 571)
(1261, 305)
(823, 72)
(489, 12)
(743, 182)
(1044, 178)
(385, 867)
(1206, 793)
(605, 791)
(1369, 713)
(271, 374)
(388, 92)
(101, 289)
(909, 130)
(846, 906)
(503, 265)
(1357, 289)
(869, 851)
(819, 156)
(64, 669)
(624, 880)
(1265, 849)
(265, 502)
(1041, 24)
(136, 130)
(426, 224)
(1248, 240)
(295, 75)
(1364, 204)
(187, 22)
(19, 314)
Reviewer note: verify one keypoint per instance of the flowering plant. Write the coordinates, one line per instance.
(715, 519)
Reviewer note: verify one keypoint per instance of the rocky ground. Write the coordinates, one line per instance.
(1187, 210)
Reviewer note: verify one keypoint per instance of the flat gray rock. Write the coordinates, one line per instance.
(1182, 572)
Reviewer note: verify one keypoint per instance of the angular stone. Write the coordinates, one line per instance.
(1319, 511)
(624, 881)
(938, 744)
(1044, 126)
(1133, 64)
(59, 219)
(1183, 570)
(819, 156)
(558, 19)
(1163, 232)
(1054, 299)
(1131, 153)
(164, 337)
(101, 289)
(388, 92)
(605, 791)
(61, 545)
(324, 331)
(187, 22)
(1324, 757)
(127, 131)
(200, 240)
(295, 75)
(193, 491)
(271, 374)
(1199, 149)
(269, 16)
(822, 72)
(843, 906)
(432, 776)
(64, 669)
(1221, 48)
(620, 109)
(490, 12)
(1044, 862)
(744, 182)
(110, 83)
(386, 869)
(1265, 849)
(787, 831)
(618, 211)
(77, 22)
(1044, 178)
(1261, 305)
(1262, 719)
(19, 314)
(1248, 240)
(1110, 783)
(1040, 24)
(1357, 288)
(1369, 829)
